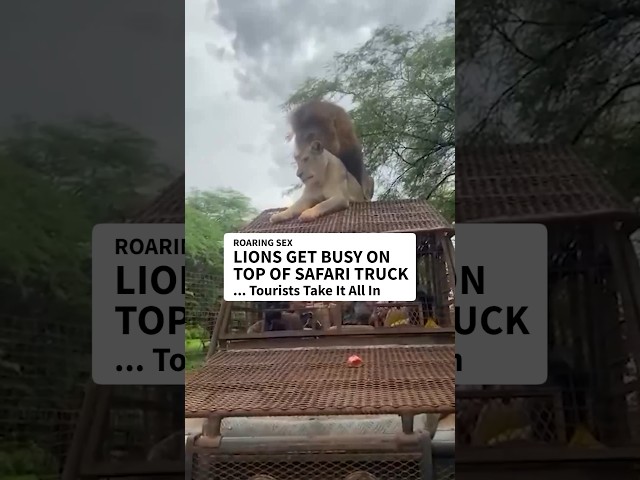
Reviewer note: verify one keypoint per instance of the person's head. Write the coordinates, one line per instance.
(273, 315)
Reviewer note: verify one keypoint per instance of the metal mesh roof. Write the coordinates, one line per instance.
(306, 381)
(370, 217)
(167, 207)
(531, 183)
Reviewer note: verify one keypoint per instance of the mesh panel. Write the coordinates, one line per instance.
(203, 292)
(40, 399)
(591, 394)
(142, 418)
(316, 467)
(139, 419)
(303, 381)
(531, 418)
(531, 182)
(138, 416)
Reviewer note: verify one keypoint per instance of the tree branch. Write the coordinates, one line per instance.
(598, 111)
(573, 38)
(450, 174)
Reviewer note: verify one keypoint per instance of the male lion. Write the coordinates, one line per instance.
(331, 125)
(328, 186)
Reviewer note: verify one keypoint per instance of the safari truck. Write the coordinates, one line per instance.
(284, 405)
(584, 421)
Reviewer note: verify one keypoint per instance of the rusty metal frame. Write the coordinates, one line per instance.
(376, 332)
(220, 339)
(441, 336)
(217, 417)
(400, 443)
(221, 323)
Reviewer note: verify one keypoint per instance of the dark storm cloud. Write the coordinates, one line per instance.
(99, 58)
(281, 24)
(270, 37)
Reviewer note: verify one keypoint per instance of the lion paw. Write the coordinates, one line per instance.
(308, 215)
(277, 218)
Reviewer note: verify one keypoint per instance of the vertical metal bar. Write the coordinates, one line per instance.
(427, 470)
(221, 322)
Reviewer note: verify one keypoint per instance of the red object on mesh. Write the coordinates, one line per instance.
(354, 361)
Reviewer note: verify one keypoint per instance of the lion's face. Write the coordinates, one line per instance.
(312, 163)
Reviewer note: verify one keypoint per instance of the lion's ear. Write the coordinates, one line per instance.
(316, 147)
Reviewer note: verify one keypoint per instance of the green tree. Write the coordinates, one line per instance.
(100, 162)
(402, 87)
(44, 280)
(56, 182)
(45, 241)
(208, 216)
(225, 207)
(562, 72)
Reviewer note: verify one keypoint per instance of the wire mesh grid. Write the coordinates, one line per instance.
(315, 467)
(529, 417)
(203, 294)
(379, 216)
(310, 381)
(591, 395)
(137, 416)
(140, 421)
(43, 365)
(532, 183)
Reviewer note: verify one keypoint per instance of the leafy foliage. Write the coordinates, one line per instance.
(99, 162)
(56, 182)
(203, 238)
(44, 245)
(208, 216)
(25, 461)
(561, 71)
(402, 86)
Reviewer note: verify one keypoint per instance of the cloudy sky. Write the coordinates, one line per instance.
(71, 58)
(244, 58)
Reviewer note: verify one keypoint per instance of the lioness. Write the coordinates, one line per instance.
(328, 186)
